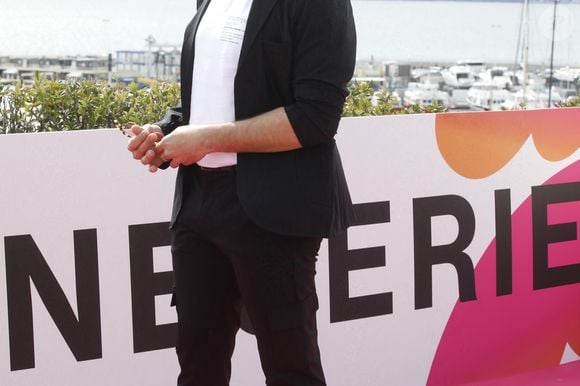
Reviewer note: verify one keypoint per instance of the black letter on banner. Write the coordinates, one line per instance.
(24, 262)
(342, 261)
(544, 234)
(503, 242)
(427, 255)
(146, 284)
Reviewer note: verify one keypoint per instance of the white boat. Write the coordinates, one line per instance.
(500, 76)
(566, 81)
(425, 94)
(458, 99)
(458, 76)
(535, 97)
(431, 75)
(475, 66)
(487, 96)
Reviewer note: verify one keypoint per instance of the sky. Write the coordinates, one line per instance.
(88, 26)
(418, 32)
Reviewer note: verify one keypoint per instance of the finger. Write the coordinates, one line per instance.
(161, 153)
(149, 157)
(164, 149)
(136, 129)
(159, 136)
(152, 128)
(152, 138)
(153, 168)
(174, 164)
(137, 141)
(147, 144)
(157, 161)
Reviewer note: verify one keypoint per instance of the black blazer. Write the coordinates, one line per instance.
(296, 54)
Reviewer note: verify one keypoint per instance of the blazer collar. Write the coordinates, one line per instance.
(259, 13)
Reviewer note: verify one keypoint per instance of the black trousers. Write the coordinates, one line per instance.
(221, 261)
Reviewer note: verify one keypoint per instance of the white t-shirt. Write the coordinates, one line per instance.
(218, 44)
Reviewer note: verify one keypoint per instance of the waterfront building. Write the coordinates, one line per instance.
(159, 62)
(13, 69)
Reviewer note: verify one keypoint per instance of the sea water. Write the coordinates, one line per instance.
(387, 30)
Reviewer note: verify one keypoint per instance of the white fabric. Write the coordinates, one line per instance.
(218, 44)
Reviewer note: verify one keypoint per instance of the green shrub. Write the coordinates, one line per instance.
(574, 102)
(359, 103)
(54, 106)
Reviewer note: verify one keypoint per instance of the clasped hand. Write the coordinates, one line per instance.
(184, 146)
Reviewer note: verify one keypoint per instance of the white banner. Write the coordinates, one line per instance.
(465, 264)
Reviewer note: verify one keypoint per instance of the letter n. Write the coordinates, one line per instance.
(25, 263)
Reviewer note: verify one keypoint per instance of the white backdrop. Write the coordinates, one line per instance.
(53, 184)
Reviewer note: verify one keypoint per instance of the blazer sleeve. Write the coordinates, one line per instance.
(172, 120)
(324, 55)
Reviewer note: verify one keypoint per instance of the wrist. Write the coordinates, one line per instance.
(215, 138)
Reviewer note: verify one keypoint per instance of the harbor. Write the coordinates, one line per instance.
(526, 81)
(471, 85)
(463, 85)
(462, 55)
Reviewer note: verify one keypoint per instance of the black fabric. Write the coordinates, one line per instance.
(223, 261)
(296, 54)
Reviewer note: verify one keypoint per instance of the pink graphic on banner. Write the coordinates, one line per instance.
(497, 336)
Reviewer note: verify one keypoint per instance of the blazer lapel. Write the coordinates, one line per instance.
(187, 55)
(258, 15)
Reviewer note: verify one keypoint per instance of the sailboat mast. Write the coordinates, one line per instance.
(526, 45)
(519, 50)
(552, 56)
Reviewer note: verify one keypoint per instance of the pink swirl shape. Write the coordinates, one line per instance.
(497, 336)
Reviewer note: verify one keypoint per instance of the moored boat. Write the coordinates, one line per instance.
(487, 96)
(425, 94)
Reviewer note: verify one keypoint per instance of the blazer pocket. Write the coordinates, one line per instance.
(315, 174)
